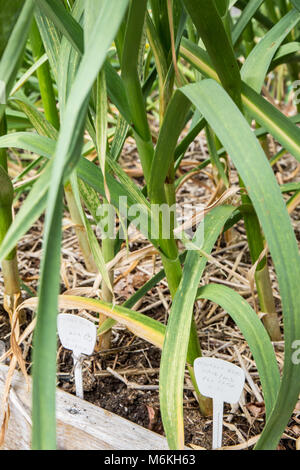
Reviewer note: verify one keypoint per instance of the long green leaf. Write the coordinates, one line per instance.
(214, 36)
(285, 54)
(296, 4)
(178, 330)
(246, 16)
(68, 61)
(139, 324)
(257, 63)
(63, 20)
(109, 16)
(52, 41)
(134, 30)
(93, 242)
(173, 124)
(9, 12)
(260, 109)
(37, 119)
(278, 125)
(256, 173)
(51, 38)
(12, 55)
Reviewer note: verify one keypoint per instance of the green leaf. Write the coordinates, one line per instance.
(12, 55)
(51, 38)
(178, 330)
(44, 77)
(109, 16)
(93, 242)
(16, 121)
(255, 171)
(263, 20)
(215, 157)
(68, 61)
(9, 12)
(296, 4)
(214, 36)
(44, 341)
(37, 119)
(101, 124)
(134, 30)
(277, 124)
(120, 136)
(130, 76)
(158, 52)
(188, 139)
(31, 210)
(246, 16)
(172, 126)
(285, 54)
(21, 82)
(141, 325)
(63, 20)
(289, 187)
(222, 7)
(116, 91)
(257, 63)
(55, 50)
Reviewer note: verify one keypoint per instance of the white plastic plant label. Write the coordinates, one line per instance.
(221, 381)
(78, 335)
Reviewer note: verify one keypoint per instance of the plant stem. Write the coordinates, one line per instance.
(142, 135)
(108, 254)
(11, 280)
(51, 114)
(10, 272)
(3, 153)
(248, 37)
(173, 274)
(262, 275)
(44, 77)
(80, 230)
(267, 303)
(253, 229)
(205, 404)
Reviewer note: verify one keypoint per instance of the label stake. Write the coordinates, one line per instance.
(78, 335)
(221, 381)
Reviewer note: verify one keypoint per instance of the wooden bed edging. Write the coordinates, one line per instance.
(80, 424)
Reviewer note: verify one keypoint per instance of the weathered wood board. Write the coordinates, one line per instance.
(80, 425)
